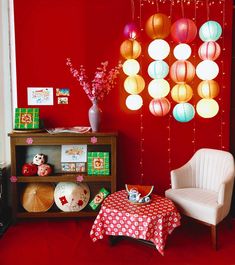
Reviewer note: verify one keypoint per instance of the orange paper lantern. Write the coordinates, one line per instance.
(130, 49)
(134, 84)
(208, 89)
(181, 93)
(182, 72)
(158, 26)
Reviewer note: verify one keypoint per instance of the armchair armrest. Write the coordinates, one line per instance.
(182, 177)
(225, 192)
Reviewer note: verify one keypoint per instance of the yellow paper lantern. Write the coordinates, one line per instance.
(181, 93)
(207, 108)
(131, 67)
(134, 84)
(158, 88)
(134, 102)
(208, 89)
(130, 49)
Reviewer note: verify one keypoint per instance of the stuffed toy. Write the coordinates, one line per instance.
(44, 170)
(39, 159)
(29, 169)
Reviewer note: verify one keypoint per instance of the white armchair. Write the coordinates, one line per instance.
(202, 188)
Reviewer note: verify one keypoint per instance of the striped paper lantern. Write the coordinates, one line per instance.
(208, 89)
(209, 50)
(183, 112)
(210, 31)
(130, 49)
(159, 107)
(181, 93)
(158, 69)
(182, 71)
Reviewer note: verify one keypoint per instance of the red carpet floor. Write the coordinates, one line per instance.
(67, 242)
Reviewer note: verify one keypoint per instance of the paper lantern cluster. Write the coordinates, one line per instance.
(134, 83)
(158, 27)
(207, 69)
(182, 71)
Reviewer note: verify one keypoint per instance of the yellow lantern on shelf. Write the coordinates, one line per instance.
(208, 89)
(158, 88)
(134, 102)
(181, 93)
(130, 49)
(134, 84)
(131, 67)
(207, 108)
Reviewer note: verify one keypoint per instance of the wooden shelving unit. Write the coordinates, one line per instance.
(25, 145)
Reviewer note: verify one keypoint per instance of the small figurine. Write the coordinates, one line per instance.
(29, 169)
(44, 170)
(39, 159)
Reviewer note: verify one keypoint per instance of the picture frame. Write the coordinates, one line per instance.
(81, 167)
(68, 167)
(74, 153)
(98, 163)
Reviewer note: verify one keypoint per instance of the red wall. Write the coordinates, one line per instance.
(89, 32)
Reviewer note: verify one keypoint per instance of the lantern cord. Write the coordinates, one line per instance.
(171, 9)
(207, 9)
(140, 15)
(157, 5)
(182, 8)
(132, 10)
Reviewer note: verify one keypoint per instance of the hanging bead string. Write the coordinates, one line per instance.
(207, 10)
(182, 8)
(132, 10)
(157, 5)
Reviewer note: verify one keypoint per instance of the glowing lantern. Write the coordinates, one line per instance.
(130, 30)
(209, 50)
(134, 84)
(131, 67)
(210, 31)
(158, 69)
(130, 49)
(208, 89)
(182, 51)
(182, 72)
(183, 30)
(183, 112)
(134, 102)
(181, 93)
(159, 107)
(158, 26)
(158, 49)
(158, 88)
(207, 70)
(207, 108)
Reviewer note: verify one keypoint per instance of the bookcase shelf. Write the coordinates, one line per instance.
(25, 145)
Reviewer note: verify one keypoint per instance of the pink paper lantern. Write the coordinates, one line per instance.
(183, 30)
(209, 50)
(159, 107)
(130, 31)
(182, 72)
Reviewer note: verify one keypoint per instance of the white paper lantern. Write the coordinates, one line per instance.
(158, 49)
(207, 108)
(134, 102)
(158, 88)
(131, 67)
(182, 51)
(207, 70)
(71, 197)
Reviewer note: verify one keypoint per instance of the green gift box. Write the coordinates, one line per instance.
(98, 163)
(27, 118)
(103, 193)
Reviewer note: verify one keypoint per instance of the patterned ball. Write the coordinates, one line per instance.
(183, 112)
(182, 72)
(130, 49)
(209, 50)
(159, 107)
(181, 93)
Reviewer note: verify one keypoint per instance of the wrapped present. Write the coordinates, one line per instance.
(98, 199)
(27, 118)
(98, 163)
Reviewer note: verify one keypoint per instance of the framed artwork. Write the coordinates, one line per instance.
(98, 163)
(73, 153)
(26, 118)
(68, 167)
(40, 95)
(81, 167)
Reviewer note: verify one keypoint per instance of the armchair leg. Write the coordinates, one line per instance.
(214, 236)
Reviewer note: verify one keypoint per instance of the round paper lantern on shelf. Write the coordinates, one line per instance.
(182, 51)
(183, 112)
(130, 30)
(209, 50)
(208, 89)
(158, 69)
(158, 88)
(181, 93)
(210, 31)
(134, 102)
(207, 70)
(159, 107)
(158, 49)
(158, 26)
(71, 197)
(131, 67)
(130, 49)
(183, 30)
(182, 72)
(207, 108)
(134, 84)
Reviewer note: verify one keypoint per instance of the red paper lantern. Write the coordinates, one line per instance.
(159, 107)
(182, 72)
(158, 26)
(208, 89)
(130, 30)
(209, 50)
(183, 30)
(130, 49)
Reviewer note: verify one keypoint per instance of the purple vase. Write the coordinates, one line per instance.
(94, 115)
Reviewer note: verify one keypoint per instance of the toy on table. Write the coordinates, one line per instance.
(138, 193)
(44, 170)
(29, 169)
(98, 199)
(39, 159)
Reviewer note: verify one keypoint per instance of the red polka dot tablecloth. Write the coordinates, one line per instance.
(152, 221)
